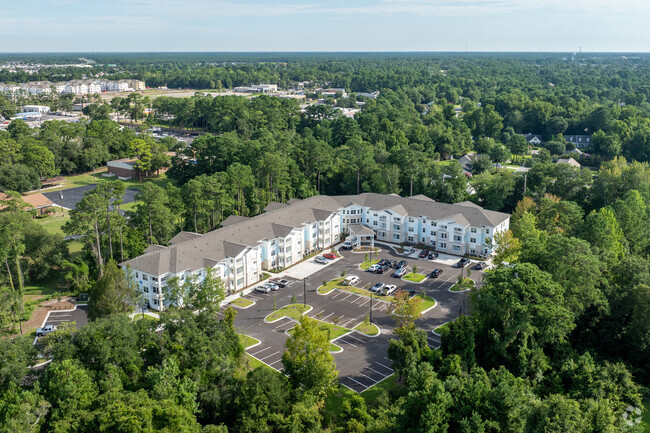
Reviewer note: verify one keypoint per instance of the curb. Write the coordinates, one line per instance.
(290, 318)
(253, 345)
(366, 335)
(230, 304)
(433, 330)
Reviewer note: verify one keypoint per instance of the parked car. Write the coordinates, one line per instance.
(436, 273)
(463, 262)
(433, 255)
(272, 286)
(263, 289)
(408, 251)
(347, 244)
(423, 254)
(382, 262)
(350, 280)
(320, 259)
(479, 266)
(45, 330)
(399, 273)
(329, 256)
(377, 287)
(373, 268)
(402, 264)
(383, 269)
(279, 282)
(411, 293)
(388, 290)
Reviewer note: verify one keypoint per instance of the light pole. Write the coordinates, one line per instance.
(371, 298)
(304, 291)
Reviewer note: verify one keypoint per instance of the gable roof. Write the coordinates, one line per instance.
(241, 233)
(274, 205)
(184, 236)
(233, 219)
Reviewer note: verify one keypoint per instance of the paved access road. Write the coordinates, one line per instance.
(363, 361)
(73, 195)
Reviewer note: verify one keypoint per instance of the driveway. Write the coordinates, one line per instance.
(79, 315)
(72, 196)
(363, 361)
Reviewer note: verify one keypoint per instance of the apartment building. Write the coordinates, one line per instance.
(285, 233)
(76, 87)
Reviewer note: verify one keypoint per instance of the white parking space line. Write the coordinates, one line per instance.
(377, 362)
(318, 313)
(347, 297)
(369, 378)
(325, 318)
(254, 298)
(364, 386)
(355, 338)
(345, 325)
(346, 342)
(268, 356)
(338, 293)
(382, 375)
(275, 362)
(281, 325)
(260, 351)
(364, 302)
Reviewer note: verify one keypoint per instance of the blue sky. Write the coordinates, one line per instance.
(337, 25)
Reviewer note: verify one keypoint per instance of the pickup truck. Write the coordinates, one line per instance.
(45, 330)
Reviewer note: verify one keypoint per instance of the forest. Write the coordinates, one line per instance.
(557, 339)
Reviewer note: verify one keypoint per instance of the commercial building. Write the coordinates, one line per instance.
(36, 109)
(285, 233)
(257, 88)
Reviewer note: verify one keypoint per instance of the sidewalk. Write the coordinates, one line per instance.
(302, 270)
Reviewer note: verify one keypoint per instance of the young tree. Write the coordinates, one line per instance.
(152, 214)
(114, 293)
(307, 360)
(405, 310)
(207, 294)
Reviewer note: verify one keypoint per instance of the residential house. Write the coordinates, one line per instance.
(579, 141)
(572, 162)
(533, 139)
(285, 233)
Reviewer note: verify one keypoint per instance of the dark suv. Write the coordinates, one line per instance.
(463, 262)
(402, 264)
(433, 255)
(436, 273)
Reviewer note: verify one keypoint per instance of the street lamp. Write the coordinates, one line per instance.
(304, 291)
(371, 298)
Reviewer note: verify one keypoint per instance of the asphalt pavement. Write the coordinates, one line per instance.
(72, 196)
(363, 361)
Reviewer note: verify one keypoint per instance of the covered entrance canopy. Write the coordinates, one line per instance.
(362, 232)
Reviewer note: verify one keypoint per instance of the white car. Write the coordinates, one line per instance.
(350, 280)
(45, 330)
(263, 289)
(373, 268)
(408, 251)
(388, 290)
(320, 259)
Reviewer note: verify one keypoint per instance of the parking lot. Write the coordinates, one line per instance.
(73, 195)
(363, 361)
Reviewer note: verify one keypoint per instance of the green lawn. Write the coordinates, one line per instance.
(442, 329)
(645, 423)
(248, 341)
(416, 278)
(466, 284)
(324, 290)
(292, 310)
(145, 317)
(242, 302)
(367, 263)
(369, 329)
(46, 287)
(427, 302)
(255, 363)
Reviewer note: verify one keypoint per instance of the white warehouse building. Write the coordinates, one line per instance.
(280, 237)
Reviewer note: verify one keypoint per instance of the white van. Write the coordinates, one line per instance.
(350, 280)
(348, 244)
